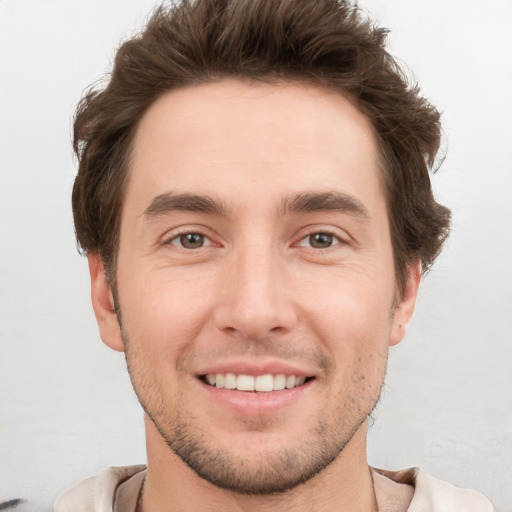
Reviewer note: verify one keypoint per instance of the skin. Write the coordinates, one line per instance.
(260, 291)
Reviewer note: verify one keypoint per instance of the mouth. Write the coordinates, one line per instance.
(254, 383)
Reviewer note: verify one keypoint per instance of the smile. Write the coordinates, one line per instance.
(261, 383)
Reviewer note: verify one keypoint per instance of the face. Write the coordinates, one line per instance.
(255, 280)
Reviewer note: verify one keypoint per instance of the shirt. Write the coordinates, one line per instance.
(116, 489)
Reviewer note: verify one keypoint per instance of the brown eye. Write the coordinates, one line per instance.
(320, 240)
(190, 240)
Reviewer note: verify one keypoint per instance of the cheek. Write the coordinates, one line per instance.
(163, 313)
(350, 304)
(351, 318)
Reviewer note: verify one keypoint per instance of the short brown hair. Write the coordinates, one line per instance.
(325, 42)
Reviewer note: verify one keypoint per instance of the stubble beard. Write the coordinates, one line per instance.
(268, 472)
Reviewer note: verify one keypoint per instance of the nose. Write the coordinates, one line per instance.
(255, 300)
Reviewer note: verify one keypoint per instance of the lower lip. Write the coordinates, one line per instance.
(254, 403)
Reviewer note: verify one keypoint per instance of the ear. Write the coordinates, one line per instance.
(103, 304)
(405, 309)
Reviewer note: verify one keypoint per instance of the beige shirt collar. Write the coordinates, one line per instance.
(116, 489)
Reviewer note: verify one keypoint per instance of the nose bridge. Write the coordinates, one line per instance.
(256, 298)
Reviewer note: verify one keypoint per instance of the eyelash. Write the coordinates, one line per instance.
(178, 238)
(335, 239)
(332, 237)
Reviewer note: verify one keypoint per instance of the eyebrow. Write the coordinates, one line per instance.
(310, 202)
(172, 202)
(305, 202)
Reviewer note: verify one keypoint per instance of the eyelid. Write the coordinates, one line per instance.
(341, 237)
(174, 234)
(336, 241)
(207, 241)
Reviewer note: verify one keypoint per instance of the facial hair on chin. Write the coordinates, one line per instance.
(271, 471)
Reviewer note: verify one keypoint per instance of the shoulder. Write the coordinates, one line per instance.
(97, 492)
(433, 495)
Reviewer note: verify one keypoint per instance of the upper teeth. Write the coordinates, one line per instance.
(264, 383)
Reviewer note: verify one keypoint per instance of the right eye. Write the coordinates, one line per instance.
(190, 241)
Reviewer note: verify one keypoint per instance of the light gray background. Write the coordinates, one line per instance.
(67, 408)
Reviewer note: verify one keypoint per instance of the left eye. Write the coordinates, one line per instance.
(320, 240)
(190, 240)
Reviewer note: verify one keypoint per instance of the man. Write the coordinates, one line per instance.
(254, 200)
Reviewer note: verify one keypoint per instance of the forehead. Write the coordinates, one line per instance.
(236, 139)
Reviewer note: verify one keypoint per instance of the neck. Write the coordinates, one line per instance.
(346, 484)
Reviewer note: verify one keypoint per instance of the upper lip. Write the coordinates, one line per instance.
(255, 367)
